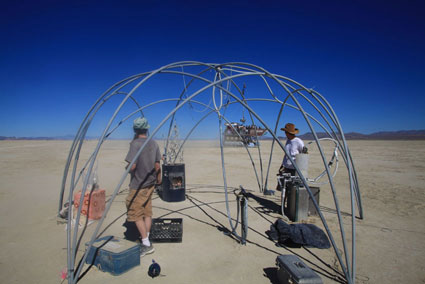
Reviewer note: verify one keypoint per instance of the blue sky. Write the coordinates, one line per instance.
(57, 57)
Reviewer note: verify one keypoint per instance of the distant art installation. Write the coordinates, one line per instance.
(215, 90)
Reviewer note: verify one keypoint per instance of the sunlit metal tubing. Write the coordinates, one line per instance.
(244, 70)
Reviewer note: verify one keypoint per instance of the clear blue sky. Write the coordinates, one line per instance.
(366, 57)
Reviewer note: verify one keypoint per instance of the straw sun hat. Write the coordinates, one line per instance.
(290, 128)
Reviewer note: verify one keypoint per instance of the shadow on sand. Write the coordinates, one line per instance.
(265, 208)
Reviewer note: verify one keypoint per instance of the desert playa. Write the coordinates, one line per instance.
(390, 240)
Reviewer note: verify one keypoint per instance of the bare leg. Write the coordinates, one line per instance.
(141, 226)
(148, 224)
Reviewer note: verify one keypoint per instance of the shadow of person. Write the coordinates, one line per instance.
(271, 273)
(131, 233)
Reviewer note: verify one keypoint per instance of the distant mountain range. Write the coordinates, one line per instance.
(383, 135)
(67, 137)
(27, 138)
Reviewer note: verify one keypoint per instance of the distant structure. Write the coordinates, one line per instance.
(236, 134)
(173, 147)
(210, 90)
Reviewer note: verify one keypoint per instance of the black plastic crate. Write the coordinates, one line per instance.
(167, 230)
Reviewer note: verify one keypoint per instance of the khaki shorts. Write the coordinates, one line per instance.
(139, 204)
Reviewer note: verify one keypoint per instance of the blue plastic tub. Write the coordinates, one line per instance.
(113, 255)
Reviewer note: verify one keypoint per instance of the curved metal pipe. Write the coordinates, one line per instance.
(79, 134)
(330, 178)
(241, 70)
(180, 97)
(347, 268)
(127, 170)
(346, 272)
(271, 148)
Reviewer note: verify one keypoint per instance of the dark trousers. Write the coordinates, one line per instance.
(291, 171)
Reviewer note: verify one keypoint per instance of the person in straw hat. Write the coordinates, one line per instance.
(293, 146)
(145, 173)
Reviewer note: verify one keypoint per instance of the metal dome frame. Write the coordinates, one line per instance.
(226, 73)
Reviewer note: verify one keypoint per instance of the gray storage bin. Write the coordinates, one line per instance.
(291, 269)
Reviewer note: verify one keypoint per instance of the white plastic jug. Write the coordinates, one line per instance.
(302, 162)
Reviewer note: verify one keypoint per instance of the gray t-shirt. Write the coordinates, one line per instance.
(144, 175)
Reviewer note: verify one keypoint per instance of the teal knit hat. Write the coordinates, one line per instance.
(141, 123)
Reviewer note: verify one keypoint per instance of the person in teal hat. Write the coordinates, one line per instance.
(145, 173)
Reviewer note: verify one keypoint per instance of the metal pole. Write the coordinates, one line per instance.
(241, 70)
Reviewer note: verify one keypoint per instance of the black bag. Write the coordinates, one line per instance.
(297, 235)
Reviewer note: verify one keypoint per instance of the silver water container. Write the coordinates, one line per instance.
(301, 160)
(297, 201)
(297, 196)
(299, 205)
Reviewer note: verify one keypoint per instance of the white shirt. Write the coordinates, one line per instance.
(292, 147)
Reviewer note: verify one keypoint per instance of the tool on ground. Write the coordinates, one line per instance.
(154, 269)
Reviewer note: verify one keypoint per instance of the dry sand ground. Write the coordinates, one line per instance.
(390, 240)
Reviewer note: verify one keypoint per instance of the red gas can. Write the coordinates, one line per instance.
(93, 204)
